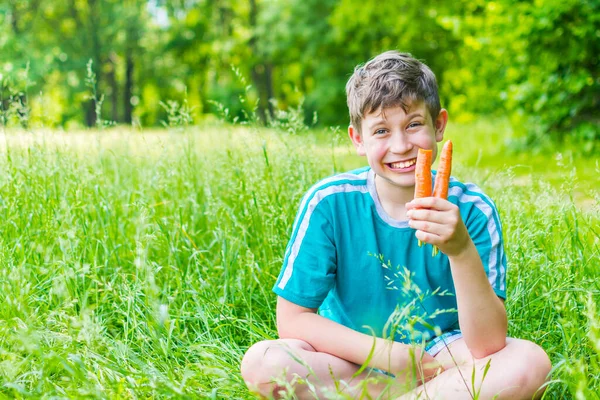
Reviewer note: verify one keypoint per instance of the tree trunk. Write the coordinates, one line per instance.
(90, 113)
(202, 78)
(257, 80)
(258, 70)
(14, 18)
(128, 90)
(269, 88)
(91, 117)
(111, 78)
(132, 37)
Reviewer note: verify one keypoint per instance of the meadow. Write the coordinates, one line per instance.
(139, 263)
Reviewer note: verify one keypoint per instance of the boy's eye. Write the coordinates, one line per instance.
(380, 131)
(414, 124)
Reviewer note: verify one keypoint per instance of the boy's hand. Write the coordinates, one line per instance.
(403, 363)
(438, 222)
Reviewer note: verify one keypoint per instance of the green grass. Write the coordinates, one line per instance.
(140, 264)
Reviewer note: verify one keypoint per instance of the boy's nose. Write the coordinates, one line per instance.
(399, 144)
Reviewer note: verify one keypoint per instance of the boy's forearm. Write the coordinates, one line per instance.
(481, 314)
(330, 337)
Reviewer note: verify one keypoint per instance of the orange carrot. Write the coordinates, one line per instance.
(442, 178)
(423, 174)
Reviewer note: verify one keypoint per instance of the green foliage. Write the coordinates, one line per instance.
(535, 61)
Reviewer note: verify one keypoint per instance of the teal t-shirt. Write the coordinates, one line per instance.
(365, 270)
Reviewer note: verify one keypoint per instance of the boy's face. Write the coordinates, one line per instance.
(391, 141)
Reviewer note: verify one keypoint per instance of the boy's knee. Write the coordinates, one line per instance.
(534, 367)
(541, 363)
(253, 362)
(264, 362)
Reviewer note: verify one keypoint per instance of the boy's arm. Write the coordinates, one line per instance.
(326, 336)
(481, 314)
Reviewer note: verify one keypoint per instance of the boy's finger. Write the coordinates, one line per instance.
(427, 237)
(427, 226)
(426, 214)
(429, 202)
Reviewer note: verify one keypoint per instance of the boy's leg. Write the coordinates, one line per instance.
(280, 360)
(515, 372)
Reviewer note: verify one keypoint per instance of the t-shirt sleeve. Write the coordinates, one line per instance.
(309, 264)
(485, 230)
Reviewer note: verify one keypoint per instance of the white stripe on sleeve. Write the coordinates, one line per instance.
(294, 248)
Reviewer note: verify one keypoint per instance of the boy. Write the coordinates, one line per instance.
(355, 257)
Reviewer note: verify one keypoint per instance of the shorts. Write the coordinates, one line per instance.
(434, 346)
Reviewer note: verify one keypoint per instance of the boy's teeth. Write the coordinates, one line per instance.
(403, 164)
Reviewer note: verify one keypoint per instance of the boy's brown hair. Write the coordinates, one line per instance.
(391, 79)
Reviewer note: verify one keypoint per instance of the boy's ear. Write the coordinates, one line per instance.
(357, 140)
(440, 124)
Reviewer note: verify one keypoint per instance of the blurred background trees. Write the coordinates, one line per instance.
(534, 61)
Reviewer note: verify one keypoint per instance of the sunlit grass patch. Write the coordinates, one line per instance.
(140, 263)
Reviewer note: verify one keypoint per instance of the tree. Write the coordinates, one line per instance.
(538, 62)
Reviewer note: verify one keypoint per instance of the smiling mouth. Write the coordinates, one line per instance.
(403, 164)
